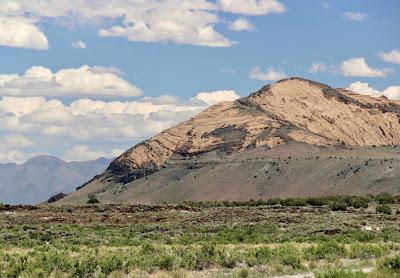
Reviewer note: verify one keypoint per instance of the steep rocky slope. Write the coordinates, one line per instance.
(293, 114)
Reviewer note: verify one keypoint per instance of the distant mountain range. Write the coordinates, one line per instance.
(44, 176)
(293, 138)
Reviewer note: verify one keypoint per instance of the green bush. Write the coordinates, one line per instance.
(166, 262)
(317, 202)
(385, 209)
(366, 251)
(392, 264)
(330, 251)
(338, 206)
(93, 200)
(244, 272)
(385, 199)
(340, 273)
(290, 256)
(293, 202)
(360, 202)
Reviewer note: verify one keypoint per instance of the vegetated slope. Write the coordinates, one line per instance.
(241, 149)
(43, 176)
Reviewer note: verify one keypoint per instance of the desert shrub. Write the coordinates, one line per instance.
(338, 206)
(93, 200)
(385, 198)
(228, 258)
(317, 201)
(244, 272)
(325, 251)
(85, 267)
(262, 255)
(290, 256)
(200, 258)
(366, 251)
(293, 261)
(166, 262)
(272, 202)
(293, 202)
(360, 202)
(385, 209)
(392, 264)
(111, 263)
(340, 273)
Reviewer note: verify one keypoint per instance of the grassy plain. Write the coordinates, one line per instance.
(336, 237)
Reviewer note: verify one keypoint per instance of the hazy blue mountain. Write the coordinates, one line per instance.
(43, 176)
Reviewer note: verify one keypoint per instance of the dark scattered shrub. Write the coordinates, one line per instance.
(272, 202)
(244, 272)
(328, 251)
(166, 262)
(392, 264)
(360, 203)
(366, 251)
(317, 201)
(338, 206)
(56, 198)
(336, 203)
(293, 202)
(340, 273)
(386, 199)
(93, 200)
(385, 209)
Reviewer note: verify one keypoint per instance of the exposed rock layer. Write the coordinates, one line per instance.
(291, 110)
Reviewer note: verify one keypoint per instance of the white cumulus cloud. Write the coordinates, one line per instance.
(84, 152)
(21, 32)
(358, 67)
(211, 98)
(317, 67)
(241, 24)
(391, 57)
(9, 145)
(83, 81)
(364, 88)
(356, 16)
(270, 75)
(11, 141)
(15, 156)
(392, 92)
(79, 45)
(100, 125)
(191, 22)
(169, 21)
(252, 7)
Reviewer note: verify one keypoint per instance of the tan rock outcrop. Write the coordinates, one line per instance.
(293, 109)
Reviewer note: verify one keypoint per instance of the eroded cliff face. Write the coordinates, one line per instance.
(293, 109)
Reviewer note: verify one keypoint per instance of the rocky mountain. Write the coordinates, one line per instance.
(43, 176)
(295, 137)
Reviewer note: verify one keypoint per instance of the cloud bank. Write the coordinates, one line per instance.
(392, 92)
(270, 75)
(358, 67)
(71, 82)
(178, 21)
(86, 128)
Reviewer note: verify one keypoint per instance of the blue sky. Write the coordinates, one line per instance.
(282, 38)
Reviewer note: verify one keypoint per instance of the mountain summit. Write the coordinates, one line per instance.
(236, 150)
(43, 176)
